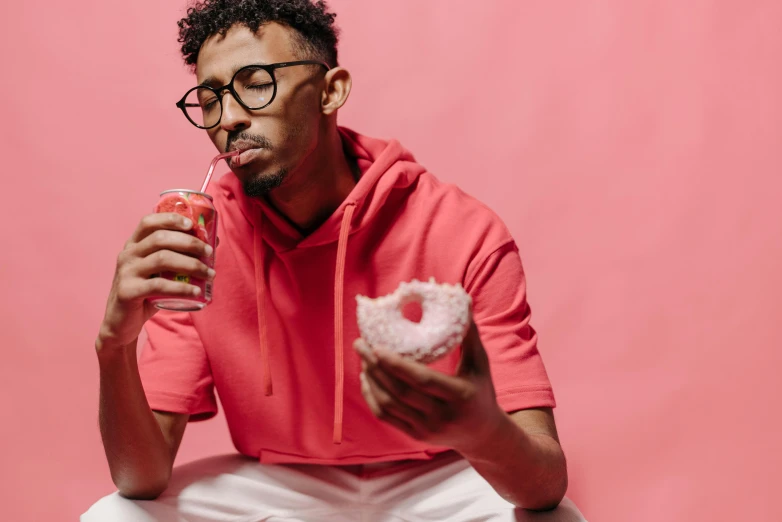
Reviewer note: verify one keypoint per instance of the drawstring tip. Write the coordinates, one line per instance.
(337, 433)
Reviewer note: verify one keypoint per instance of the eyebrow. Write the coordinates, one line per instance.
(212, 81)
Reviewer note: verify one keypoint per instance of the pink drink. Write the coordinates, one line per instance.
(197, 207)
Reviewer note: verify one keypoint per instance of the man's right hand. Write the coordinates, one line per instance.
(161, 243)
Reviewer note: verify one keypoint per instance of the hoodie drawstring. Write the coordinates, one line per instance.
(339, 333)
(260, 298)
(339, 310)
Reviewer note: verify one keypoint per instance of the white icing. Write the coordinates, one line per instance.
(444, 322)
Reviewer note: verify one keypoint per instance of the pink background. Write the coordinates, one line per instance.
(634, 149)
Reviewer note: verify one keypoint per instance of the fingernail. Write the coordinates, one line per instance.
(211, 273)
(196, 290)
(208, 250)
(365, 351)
(187, 223)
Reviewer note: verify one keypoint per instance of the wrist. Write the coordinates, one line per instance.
(107, 343)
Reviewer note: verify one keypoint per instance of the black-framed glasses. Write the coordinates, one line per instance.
(253, 86)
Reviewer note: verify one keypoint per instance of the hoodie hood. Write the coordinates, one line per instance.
(384, 166)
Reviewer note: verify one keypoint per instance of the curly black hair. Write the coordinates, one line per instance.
(317, 34)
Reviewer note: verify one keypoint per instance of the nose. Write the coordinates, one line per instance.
(235, 117)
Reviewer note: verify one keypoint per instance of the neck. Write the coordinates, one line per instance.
(318, 186)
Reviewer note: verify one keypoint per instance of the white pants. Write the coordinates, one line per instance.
(237, 489)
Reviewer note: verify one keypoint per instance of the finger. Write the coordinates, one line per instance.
(163, 220)
(427, 405)
(363, 349)
(422, 378)
(134, 289)
(177, 241)
(380, 413)
(474, 358)
(392, 385)
(391, 406)
(168, 261)
(402, 426)
(432, 411)
(377, 411)
(395, 387)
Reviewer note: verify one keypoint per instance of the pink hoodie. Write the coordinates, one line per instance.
(276, 342)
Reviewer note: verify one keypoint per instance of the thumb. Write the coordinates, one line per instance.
(474, 358)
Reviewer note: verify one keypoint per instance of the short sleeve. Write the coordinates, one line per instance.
(174, 367)
(498, 289)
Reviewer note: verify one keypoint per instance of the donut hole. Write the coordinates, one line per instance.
(411, 308)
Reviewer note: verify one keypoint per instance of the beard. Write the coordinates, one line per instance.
(261, 184)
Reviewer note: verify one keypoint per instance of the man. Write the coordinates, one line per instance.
(313, 215)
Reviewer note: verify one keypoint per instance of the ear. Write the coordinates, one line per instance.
(336, 90)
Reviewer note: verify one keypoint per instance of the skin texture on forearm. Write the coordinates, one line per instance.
(139, 456)
(527, 468)
(141, 444)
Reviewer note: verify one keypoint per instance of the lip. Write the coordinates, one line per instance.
(247, 155)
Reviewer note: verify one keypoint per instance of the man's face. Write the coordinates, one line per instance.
(279, 136)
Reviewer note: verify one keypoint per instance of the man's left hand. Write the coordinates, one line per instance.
(458, 412)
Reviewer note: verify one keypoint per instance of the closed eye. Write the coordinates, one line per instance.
(258, 86)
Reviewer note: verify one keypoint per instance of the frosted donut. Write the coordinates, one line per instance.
(444, 321)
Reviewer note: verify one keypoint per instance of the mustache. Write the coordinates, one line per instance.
(256, 139)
